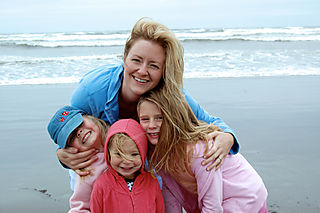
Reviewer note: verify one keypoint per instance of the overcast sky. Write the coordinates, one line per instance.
(102, 15)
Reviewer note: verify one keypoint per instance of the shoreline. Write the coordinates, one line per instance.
(275, 120)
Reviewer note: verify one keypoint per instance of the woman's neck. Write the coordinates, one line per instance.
(127, 107)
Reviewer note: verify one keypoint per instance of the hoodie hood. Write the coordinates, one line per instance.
(133, 129)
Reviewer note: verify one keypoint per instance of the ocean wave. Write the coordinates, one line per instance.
(62, 44)
(39, 81)
(187, 75)
(255, 39)
(256, 34)
(59, 44)
(10, 60)
(25, 59)
(261, 73)
(55, 40)
(117, 38)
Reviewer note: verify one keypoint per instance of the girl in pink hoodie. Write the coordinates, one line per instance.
(126, 186)
(179, 143)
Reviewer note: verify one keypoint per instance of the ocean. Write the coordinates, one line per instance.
(55, 58)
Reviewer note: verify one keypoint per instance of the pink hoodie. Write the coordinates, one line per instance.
(235, 187)
(110, 191)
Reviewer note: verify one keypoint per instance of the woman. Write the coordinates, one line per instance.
(153, 57)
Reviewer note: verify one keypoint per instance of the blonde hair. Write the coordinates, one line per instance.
(147, 29)
(179, 128)
(102, 125)
(118, 140)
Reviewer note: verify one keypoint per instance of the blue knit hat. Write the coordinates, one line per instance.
(64, 121)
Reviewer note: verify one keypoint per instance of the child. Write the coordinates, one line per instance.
(180, 141)
(126, 187)
(70, 127)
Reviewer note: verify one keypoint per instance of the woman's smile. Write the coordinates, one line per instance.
(143, 68)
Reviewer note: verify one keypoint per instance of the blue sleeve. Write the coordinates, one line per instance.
(89, 85)
(203, 115)
(80, 98)
(97, 92)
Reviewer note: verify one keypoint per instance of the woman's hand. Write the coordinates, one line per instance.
(222, 143)
(77, 160)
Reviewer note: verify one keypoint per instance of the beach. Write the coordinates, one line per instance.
(276, 120)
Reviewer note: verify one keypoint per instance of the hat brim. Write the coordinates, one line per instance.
(68, 128)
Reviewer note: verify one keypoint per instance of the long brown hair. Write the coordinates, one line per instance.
(179, 128)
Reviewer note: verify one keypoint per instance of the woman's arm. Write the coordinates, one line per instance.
(221, 148)
(224, 142)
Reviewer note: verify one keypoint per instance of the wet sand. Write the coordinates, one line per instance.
(276, 121)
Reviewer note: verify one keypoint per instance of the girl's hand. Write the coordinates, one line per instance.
(222, 143)
(76, 160)
(84, 172)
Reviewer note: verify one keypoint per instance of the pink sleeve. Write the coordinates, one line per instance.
(80, 199)
(172, 204)
(209, 184)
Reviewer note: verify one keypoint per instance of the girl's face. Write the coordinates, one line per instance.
(124, 167)
(143, 68)
(150, 118)
(86, 136)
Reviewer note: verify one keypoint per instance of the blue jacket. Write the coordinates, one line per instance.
(97, 95)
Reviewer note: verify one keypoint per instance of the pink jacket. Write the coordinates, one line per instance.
(235, 187)
(111, 194)
(110, 191)
(80, 199)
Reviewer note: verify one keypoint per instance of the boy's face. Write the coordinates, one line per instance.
(86, 136)
(150, 118)
(125, 167)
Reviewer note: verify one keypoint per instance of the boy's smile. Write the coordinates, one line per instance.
(86, 136)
